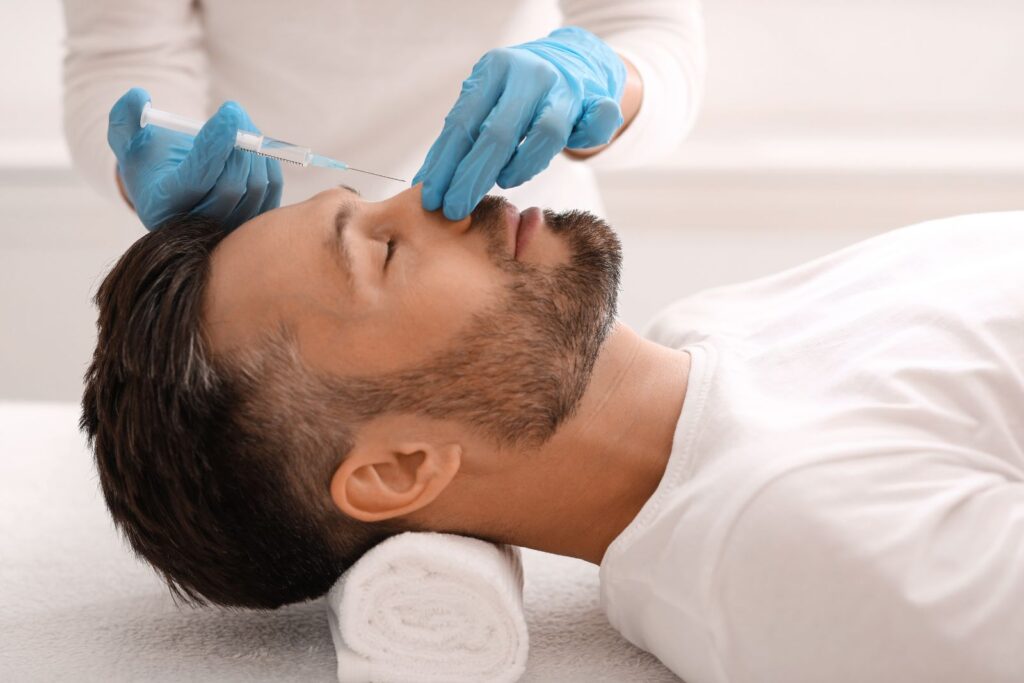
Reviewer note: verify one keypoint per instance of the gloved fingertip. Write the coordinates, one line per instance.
(211, 150)
(219, 131)
(123, 121)
(132, 101)
(431, 203)
(455, 211)
(229, 114)
(506, 180)
(432, 196)
(601, 118)
(245, 121)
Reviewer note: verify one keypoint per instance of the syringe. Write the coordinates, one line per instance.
(251, 142)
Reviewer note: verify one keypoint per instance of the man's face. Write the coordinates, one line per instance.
(454, 324)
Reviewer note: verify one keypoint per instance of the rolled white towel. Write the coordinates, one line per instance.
(431, 607)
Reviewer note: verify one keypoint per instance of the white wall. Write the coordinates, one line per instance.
(30, 47)
(865, 69)
(825, 121)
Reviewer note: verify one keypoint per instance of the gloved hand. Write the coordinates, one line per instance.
(559, 91)
(165, 172)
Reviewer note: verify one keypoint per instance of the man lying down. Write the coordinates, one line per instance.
(816, 475)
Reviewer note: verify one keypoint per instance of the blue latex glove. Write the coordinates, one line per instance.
(556, 92)
(165, 172)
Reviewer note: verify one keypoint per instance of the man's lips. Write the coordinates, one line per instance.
(521, 227)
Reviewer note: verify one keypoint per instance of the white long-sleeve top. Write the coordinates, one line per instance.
(365, 81)
(844, 498)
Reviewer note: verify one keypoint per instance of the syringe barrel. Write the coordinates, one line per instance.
(182, 124)
(285, 151)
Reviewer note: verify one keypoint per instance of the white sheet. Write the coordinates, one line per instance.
(76, 605)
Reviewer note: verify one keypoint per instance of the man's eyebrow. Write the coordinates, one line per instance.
(337, 242)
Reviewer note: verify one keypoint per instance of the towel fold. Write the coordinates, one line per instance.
(431, 607)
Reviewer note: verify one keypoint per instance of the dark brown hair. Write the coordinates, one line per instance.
(215, 469)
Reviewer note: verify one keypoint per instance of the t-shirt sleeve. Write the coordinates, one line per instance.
(114, 45)
(664, 39)
(886, 568)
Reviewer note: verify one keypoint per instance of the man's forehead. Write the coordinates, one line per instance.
(302, 214)
(271, 267)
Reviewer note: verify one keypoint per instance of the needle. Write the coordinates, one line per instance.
(379, 175)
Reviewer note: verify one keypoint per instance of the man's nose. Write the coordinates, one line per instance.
(413, 199)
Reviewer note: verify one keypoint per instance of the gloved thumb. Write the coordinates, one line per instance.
(601, 118)
(123, 121)
(198, 172)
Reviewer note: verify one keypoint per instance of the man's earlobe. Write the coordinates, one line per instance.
(375, 483)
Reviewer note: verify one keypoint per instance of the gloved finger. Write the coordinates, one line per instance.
(255, 192)
(601, 118)
(265, 182)
(275, 186)
(255, 181)
(546, 137)
(123, 121)
(202, 167)
(229, 191)
(480, 91)
(244, 121)
(500, 134)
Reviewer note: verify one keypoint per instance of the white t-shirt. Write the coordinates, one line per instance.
(844, 500)
(368, 82)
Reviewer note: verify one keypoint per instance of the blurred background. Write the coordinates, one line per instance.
(825, 122)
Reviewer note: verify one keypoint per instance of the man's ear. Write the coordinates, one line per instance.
(380, 479)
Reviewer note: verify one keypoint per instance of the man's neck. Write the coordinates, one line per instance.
(577, 493)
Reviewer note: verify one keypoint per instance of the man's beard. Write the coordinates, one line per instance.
(521, 366)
